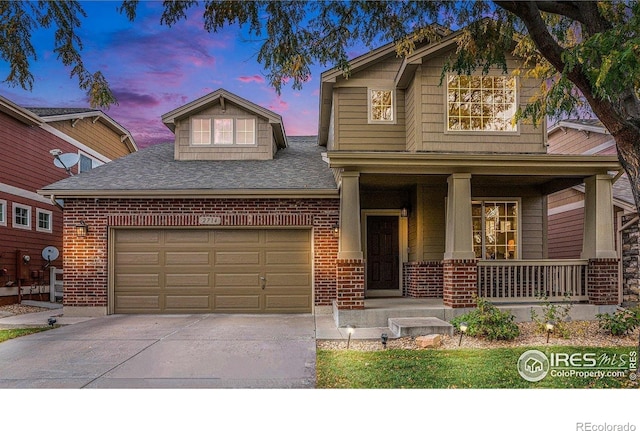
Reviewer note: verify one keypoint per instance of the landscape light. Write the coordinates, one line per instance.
(463, 330)
(350, 329)
(383, 339)
(549, 325)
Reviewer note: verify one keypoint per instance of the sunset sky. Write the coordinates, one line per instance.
(153, 69)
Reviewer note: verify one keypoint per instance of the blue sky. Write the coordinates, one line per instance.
(153, 69)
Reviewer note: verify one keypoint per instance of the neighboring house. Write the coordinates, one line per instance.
(566, 208)
(30, 222)
(439, 194)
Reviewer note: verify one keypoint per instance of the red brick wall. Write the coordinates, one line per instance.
(350, 284)
(460, 283)
(86, 258)
(602, 281)
(423, 279)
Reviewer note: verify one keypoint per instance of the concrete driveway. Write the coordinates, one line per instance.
(174, 351)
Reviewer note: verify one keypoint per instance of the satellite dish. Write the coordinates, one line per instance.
(66, 160)
(50, 253)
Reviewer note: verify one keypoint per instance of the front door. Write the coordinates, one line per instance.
(382, 254)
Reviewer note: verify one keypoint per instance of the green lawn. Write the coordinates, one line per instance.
(465, 368)
(7, 334)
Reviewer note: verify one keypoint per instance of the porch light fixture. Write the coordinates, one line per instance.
(82, 229)
(404, 212)
(383, 339)
(549, 325)
(463, 330)
(336, 230)
(350, 329)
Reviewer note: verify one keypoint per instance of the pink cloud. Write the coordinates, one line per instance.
(254, 78)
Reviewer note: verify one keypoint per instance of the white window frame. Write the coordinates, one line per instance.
(252, 122)
(3, 212)
(518, 230)
(44, 212)
(370, 109)
(24, 207)
(201, 141)
(219, 131)
(515, 128)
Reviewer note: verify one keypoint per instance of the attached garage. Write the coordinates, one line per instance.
(211, 270)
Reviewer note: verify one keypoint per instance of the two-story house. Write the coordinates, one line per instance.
(440, 194)
(29, 222)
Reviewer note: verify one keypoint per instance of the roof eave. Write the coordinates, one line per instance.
(193, 194)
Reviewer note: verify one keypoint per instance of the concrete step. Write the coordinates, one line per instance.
(417, 326)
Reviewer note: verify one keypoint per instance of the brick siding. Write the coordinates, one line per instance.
(350, 288)
(423, 279)
(459, 283)
(602, 281)
(86, 258)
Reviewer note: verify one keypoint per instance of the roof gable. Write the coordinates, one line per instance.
(223, 97)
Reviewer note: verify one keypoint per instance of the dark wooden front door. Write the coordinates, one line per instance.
(382, 252)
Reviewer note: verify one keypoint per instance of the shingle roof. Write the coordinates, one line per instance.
(50, 112)
(298, 167)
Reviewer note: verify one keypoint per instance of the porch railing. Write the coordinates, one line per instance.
(529, 280)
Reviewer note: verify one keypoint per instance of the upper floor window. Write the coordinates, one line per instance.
(495, 229)
(21, 216)
(201, 131)
(44, 218)
(381, 107)
(481, 103)
(225, 131)
(3, 212)
(87, 163)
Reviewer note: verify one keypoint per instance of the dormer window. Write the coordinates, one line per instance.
(223, 131)
(381, 106)
(481, 103)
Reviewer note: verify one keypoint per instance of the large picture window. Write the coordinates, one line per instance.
(481, 103)
(495, 229)
(223, 131)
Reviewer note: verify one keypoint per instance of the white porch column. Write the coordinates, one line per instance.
(598, 239)
(459, 233)
(350, 245)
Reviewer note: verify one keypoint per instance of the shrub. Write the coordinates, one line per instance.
(488, 321)
(558, 313)
(622, 322)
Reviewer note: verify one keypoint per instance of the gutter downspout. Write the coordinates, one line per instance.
(55, 203)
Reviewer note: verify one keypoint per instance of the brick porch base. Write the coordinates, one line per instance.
(350, 284)
(460, 279)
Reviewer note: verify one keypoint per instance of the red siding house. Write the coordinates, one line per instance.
(30, 222)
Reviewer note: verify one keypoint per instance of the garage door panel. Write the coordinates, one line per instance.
(282, 303)
(287, 257)
(137, 258)
(237, 258)
(187, 257)
(188, 280)
(187, 302)
(237, 302)
(214, 269)
(187, 237)
(237, 280)
(288, 279)
(138, 302)
(237, 236)
(143, 281)
(135, 236)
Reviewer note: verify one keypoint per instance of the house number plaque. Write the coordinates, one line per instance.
(209, 220)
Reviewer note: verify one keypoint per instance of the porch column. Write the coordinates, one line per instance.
(598, 219)
(350, 262)
(459, 266)
(599, 242)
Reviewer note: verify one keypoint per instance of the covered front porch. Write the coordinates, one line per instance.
(450, 227)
